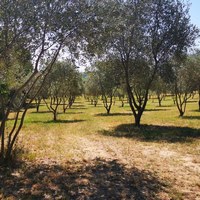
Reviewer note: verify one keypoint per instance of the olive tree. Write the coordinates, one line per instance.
(92, 88)
(186, 83)
(143, 35)
(62, 86)
(121, 93)
(160, 87)
(194, 67)
(41, 30)
(108, 76)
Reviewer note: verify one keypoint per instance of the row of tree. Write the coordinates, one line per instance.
(62, 86)
(105, 81)
(131, 42)
(147, 38)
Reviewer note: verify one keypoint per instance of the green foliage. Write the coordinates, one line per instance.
(62, 86)
(91, 85)
(143, 36)
(108, 74)
(64, 80)
(3, 89)
(186, 81)
(29, 40)
(103, 80)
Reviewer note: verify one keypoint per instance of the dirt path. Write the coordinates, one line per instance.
(100, 148)
(168, 162)
(171, 166)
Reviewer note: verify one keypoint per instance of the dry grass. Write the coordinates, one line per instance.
(160, 160)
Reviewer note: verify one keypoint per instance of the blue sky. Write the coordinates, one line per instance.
(195, 12)
(195, 15)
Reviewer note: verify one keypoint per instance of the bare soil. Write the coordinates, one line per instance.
(107, 168)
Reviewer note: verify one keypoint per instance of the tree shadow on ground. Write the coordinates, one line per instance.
(64, 121)
(154, 133)
(192, 101)
(77, 108)
(72, 113)
(96, 179)
(191, 117)
(156, 109)
(41, 112)
(112, 114)
(58, 121)
(197, 110)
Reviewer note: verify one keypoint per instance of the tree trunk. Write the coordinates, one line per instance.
(108, 111)
(1, 114)
(138, 118)
(2, 141)
(2, 107)
(95, 103)
(2, 133)
(174, 101)
(181, 113)
(182, 108)
(38, 101)
(159, 100)
(199, 98)
(64, 105)
(55, 116)
(64, 109)
(137, 121)
(37, 108)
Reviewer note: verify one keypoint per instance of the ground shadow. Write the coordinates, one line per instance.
(154, 133)
(156, 109)
(112, 114)
(78, 108)
(197, 110)
(58, 121)
(192, 101)
(71, 113)
(41, 112)
(94, 180)
(191, 117)
(64, 121)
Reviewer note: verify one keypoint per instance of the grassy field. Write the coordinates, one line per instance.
(87, 154)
